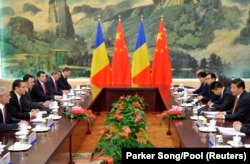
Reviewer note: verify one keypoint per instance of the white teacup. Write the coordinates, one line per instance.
(39, 116)
(212, 123)
(55, 112)
(23, 127)
(64, 96)
(236, 140)
(38, 127)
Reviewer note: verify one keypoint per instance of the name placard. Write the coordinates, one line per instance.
(32, 138)
(50, 122)
(5, 159)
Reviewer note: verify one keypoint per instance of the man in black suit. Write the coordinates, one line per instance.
(210, 96)
(226, 100)
(52, 86)
(26, 99)
(241, 109)
(62, 82)
(6, 121)
(39, 92)
(15, 106)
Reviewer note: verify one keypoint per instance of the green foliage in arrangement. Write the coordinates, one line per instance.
(125, 127)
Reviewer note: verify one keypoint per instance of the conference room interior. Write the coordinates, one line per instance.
(199, 34)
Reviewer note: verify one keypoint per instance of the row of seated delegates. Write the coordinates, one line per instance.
(7, 122)
(241, 108)
(226, 98)
(62, 82)
(210, 96)
(203, 88)
(15, 106)
(26, 100)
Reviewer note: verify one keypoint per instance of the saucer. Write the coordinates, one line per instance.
(28, 127)
(2, 146)
(207, 129)
(197, 117)
(71, 94)
(64, 99)
(55, 117)
(71, 104)
(236, 146)
(41, 129)
(38, 120)
(54, 107)
(21, 132)
(221, 146)
(22, 147)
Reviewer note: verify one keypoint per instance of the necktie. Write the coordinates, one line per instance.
(235, 104)
(4, 115)
(55, 85)
(44, 89)
(20, 104)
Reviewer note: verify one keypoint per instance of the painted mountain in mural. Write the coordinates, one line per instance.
(213, 35)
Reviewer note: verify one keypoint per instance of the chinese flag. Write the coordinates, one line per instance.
(100, 68)
(120, 73)
(140, 63)
(161, 66)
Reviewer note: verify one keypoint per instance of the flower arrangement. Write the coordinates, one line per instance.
(176, 112)
(125, 127)
(79, 113)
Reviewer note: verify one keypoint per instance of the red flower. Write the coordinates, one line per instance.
(109, 160)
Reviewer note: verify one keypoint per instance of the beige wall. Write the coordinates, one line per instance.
(83, 81)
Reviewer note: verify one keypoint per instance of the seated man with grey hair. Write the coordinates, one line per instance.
(7, 122)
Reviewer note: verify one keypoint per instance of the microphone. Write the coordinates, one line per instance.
(201, 109)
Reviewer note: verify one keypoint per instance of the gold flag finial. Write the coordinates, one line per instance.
(141, 17)
(161, 17)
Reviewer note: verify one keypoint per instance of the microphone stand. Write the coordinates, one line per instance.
(169, 132)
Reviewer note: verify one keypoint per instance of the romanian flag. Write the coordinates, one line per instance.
(140, 69)
(100, 67)
(161, 66)
(120, 63)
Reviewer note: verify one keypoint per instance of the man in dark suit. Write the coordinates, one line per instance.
(26, 99)
(15, 107)
(52, 86)
(203, 88)
(62, 82)
(210, 96)
(39, 92)
(226, 100)
(241, 109)
(6, 121)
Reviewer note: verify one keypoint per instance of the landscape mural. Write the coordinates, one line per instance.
(47, 34)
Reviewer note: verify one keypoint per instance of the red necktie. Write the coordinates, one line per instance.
(44, 90)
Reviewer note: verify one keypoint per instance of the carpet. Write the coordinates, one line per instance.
(78, 158)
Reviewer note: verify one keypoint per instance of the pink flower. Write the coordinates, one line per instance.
(77, 110)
